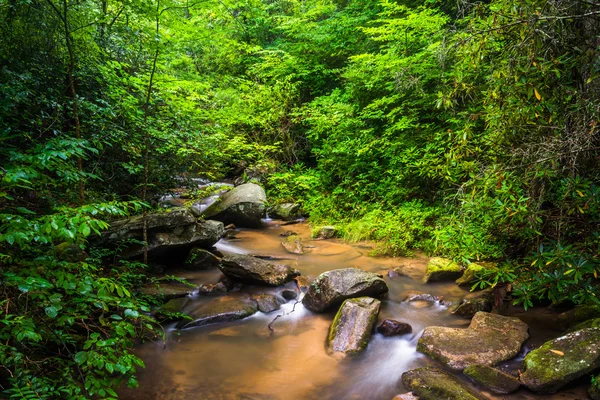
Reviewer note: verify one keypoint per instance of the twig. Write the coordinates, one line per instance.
(281, 315)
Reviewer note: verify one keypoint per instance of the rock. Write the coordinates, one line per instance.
(492, 379)
(590, 323)
(219, 309)
(173, 306)
(223, 286)
(201, 259)
(172, 230)
(289, 294)
(287, 233)
(469, 307)
(562, 360)
(489, 340)
(70, 252)
(390, 327)
(441, 269)
(293, 244)
(414, 295)
(324, 232)
(579, 314)
(333, 287)
(167, 290)
(267, 302)
(435, 384)
(285, 211)
(243, 206)
(303, 283)
(253, 270)
(469, 274)
(405, 396)
(353, 325)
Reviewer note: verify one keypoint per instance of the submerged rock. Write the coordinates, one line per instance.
(489, 340)
(562, 360)
(219, 309)
(390, 327)
(285, 211)
(441, 269)
(253, 270)
(331, 288)
(293, 244)
(435, 384)
(243, 206)
(201, 259)
(492, 379)
(268, 302)
(353, 325)
(414, 295)
(469, 307)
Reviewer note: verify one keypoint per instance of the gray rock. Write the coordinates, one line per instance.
(285, 211)
(167, 290)
(441, 269)
(390, 327)
(201, 259)
(435, 384)
(492, 379)
(324, 232)
(289, 294)
(562, 360)
(333, 287)
(353, 325)
(218, 309)
(243, 206)
(253, 270)
(489, 340)
(414, 295)
(469, 307)
(268, 302)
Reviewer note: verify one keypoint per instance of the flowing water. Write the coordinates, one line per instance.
(244, 360)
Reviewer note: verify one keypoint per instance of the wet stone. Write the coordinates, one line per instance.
(267, 303)
(253, 270)
(353, 325)
(219, 309)
(390, 327)
(435, 384)
(492, 379)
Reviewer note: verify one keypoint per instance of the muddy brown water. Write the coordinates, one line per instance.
(244, 360)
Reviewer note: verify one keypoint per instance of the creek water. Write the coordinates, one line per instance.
(244, 360)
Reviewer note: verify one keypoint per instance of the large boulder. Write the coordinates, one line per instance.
(435, 384)
(285, 211)
(441, 269)
(172, 230)
(201, 259)
(331, 288)
(492, 379)
(218, 309)
(489, 340)
(253, 270)
(353, 325)
(562, 360)
(242, 206)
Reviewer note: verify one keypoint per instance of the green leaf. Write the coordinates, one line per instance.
(81, 357)
(51, 311)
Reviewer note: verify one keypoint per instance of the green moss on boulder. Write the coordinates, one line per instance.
(562, 360)
(492, 379)
(435, 384)
(441, 269)
(472, 269)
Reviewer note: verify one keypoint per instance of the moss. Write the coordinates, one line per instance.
(434, 384)
(439, 269)
(472, 269)
(492, 379)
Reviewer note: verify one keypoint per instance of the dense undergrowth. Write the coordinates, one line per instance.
(467, 129)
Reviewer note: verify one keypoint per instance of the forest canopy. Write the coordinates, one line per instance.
(466, 129)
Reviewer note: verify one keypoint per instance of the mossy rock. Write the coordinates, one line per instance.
(489, 340)
(472, 269)
(218, 309)
(243, 206)
(201, 259)
(293, 244)
(469, 307)
(492, 379)
(324, 232)
(285, 211)
(441, 269)
(590, 323)
(353, 325)
(562, 360)
(579, 314)
(435, 384)
(171, 307)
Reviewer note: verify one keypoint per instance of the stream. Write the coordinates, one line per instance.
(244, 360)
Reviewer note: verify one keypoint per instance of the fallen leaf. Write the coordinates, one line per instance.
(560, 353)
